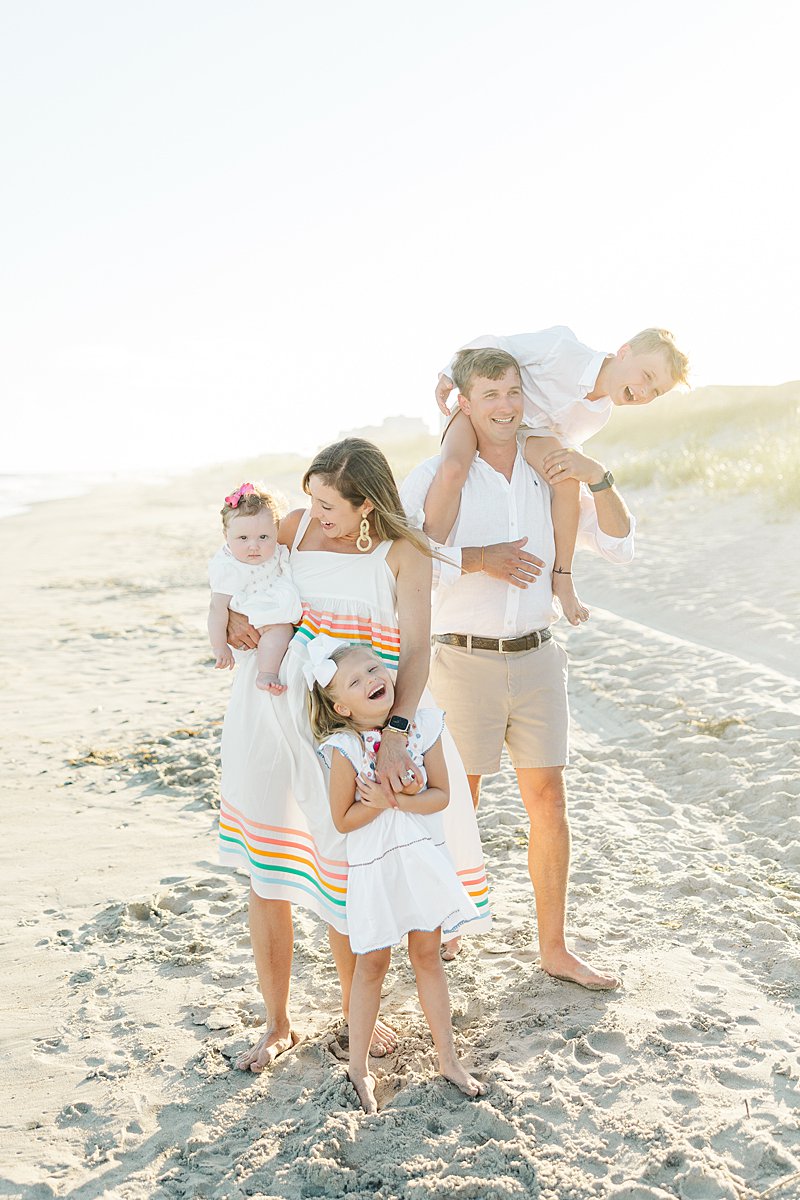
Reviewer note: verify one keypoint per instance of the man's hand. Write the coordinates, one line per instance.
(506, 561)
(443, 389)
(224, 659)
(571, 464)
(240, 633)
(393, 764)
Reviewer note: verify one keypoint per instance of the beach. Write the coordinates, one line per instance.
(128, 977)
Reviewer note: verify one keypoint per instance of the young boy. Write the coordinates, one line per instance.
(569, 391)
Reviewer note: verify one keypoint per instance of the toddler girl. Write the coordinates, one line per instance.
(251, 575)
(401, 880)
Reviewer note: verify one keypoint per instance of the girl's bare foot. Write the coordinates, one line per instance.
(268, 682)
(266, 1050)
(365, 1090)
(573, 609)
(451, 949)
(454, 1073)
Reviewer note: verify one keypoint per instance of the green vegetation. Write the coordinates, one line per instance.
(725, 439)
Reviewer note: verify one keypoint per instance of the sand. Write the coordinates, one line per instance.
(126, 963)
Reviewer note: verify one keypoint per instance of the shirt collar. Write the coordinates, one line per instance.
(589, 379)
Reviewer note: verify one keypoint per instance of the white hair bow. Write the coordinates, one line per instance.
(320, 667)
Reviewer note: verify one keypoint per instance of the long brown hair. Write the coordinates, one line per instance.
(358, 471)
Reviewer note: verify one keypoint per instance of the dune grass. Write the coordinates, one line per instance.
(723, 439)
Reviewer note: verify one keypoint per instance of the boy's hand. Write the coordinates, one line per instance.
(372, 794)
(571, 464)
(443, 389)
(240, 633)
(224, 659)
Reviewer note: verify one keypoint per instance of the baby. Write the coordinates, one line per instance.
(250, 574)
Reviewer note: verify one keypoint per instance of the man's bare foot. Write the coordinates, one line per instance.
(572, 969)
(268, 682)
(454, 1073)
(365, 1090)
(451, 949)
(573, 609)
(266, 1050)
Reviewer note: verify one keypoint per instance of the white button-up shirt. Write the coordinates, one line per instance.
(495, 509)
(557, 373)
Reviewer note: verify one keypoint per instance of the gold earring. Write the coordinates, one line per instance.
(363, 536)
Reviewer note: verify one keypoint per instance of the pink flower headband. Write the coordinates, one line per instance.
(235, 497)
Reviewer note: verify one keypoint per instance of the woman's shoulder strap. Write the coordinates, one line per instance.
(302, 526)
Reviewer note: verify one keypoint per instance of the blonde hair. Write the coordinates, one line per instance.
(252, 503)
(324, 718)
(661, 341)
(470, 365)
(359, 471)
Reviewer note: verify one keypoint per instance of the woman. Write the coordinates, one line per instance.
(364, 576)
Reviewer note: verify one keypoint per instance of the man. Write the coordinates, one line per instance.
(496, 669)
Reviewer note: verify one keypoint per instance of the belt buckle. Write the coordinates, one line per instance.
(538, 637)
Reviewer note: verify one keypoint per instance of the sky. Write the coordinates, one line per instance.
(240, 228)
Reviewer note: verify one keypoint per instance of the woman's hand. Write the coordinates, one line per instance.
(369, 792)
(240, 633)
(393, 764)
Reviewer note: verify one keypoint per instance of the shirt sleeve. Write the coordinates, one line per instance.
(591, 536)
(413, 492)
(223, 575)
(529, 349)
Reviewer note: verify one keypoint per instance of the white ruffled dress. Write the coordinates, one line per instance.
(264, 592)
(400, 874)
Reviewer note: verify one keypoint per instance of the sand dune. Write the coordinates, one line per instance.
(126, 958)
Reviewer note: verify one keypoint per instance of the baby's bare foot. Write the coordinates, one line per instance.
(573, 609)
(268, 682)
(365, 1090)
(454, 1073)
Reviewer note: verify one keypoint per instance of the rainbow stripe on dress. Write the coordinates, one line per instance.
(286, 857)
(383, 639)
(289, 858)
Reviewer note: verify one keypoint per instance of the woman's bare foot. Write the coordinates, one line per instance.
(573, 609)
(384, 1040)
(268, 682)
(451, 949)
(266, 1050)
(454, 1073)
(568, 966)
(365, 1090)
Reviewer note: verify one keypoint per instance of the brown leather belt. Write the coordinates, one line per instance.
(528, 641)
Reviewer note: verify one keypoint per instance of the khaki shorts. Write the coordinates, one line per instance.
(490, 698)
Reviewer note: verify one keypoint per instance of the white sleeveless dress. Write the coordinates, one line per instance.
(401, 877)
(275, 817)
